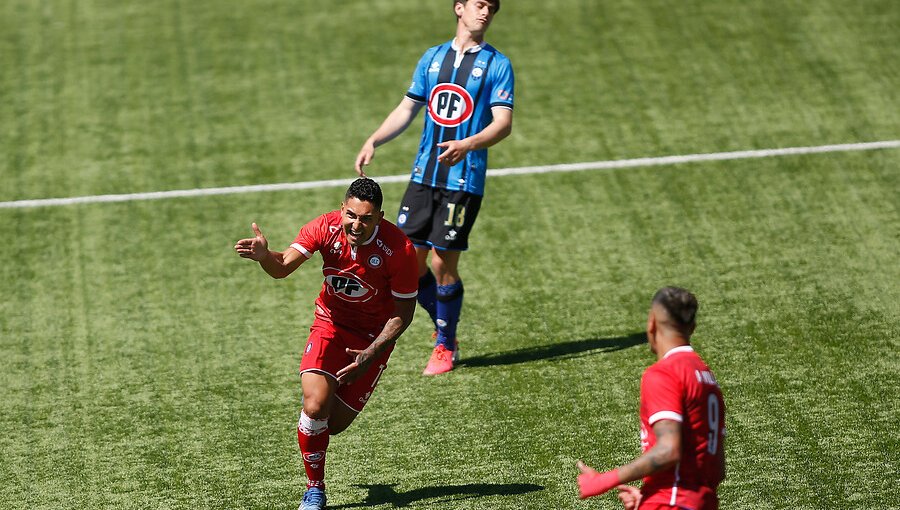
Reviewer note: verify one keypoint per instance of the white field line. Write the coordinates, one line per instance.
(569, 167)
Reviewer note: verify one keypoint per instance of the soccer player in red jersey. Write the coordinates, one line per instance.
(682, 420)
(367, 300)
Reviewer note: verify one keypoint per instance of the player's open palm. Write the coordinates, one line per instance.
(254, 248)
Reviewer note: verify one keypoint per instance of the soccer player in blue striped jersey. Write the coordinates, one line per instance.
(466, 87)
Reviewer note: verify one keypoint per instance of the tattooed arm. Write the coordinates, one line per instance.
(664, 455)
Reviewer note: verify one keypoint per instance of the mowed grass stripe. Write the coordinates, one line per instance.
(566, 167)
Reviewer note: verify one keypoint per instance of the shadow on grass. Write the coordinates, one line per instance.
(563, 350)
(383, 494)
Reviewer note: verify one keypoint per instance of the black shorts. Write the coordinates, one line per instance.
(438, 218)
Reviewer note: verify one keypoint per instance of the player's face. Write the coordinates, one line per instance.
(359, 219)
(475, 15)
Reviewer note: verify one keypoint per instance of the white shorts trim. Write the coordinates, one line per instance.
(348, 406)
(319, 371)
(405, 296)
(336, 396)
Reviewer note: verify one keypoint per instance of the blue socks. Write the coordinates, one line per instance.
(428, 295)
(449, 306)
(443, 304)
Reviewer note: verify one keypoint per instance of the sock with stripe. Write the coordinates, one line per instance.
(313, 436)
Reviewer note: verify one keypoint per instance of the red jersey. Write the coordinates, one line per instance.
(680, 387)
(360, 282)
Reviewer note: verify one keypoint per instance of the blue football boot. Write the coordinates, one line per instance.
(313, 499)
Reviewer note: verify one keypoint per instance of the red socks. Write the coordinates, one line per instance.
(313, 436)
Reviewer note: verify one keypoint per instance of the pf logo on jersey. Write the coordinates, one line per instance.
(450, 105)
(346, 285)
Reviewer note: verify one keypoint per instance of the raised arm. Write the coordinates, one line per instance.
(277, 264)
(396, 122)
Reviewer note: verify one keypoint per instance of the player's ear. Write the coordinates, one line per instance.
(651, 325)
(459, 7)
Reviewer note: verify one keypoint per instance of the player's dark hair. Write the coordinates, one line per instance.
(494, 3)
(680, 304)
(367, 190)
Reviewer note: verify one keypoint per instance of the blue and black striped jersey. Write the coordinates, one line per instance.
(458, 90)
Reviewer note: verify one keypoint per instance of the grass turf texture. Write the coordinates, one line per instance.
(144, 365)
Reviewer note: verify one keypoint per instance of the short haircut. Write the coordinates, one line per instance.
(494, 3)
(367, 190)
(680, 305)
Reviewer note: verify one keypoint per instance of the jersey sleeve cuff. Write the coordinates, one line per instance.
(306, 253)
(400, 295)
(418, 99)
(665, 415)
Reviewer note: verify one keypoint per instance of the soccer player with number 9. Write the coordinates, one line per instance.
(682, 420)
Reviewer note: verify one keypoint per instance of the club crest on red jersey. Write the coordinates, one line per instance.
(450, 105)
(347, 286)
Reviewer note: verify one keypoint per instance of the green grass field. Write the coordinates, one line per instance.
(143, 365)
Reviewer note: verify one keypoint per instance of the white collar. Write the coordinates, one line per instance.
(473, 49)
(374, 235)
(372, 238)
(369, 241)
(680, 348)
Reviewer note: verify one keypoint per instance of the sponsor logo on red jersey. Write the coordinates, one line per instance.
(347, 286)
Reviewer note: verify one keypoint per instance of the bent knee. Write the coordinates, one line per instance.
(316, 409)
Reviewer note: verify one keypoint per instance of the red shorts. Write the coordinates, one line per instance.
(702, 499)
(666, 506)
(324, 353)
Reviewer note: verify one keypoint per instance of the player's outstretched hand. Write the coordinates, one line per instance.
(254, 248)
(362, 360)
(630, 496)
(364, 158)
(593, 483)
